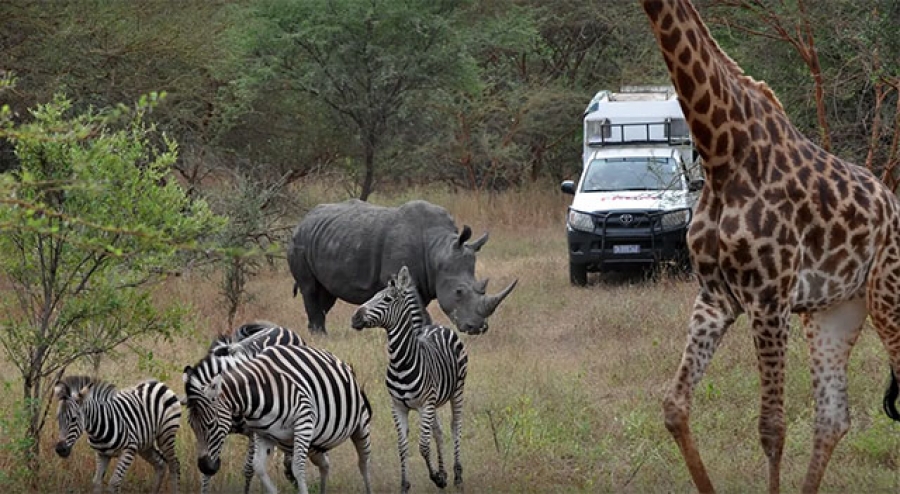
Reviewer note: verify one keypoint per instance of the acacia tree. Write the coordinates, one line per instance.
(364, 59)
(93, 218)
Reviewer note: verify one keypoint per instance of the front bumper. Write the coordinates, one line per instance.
(612, 244)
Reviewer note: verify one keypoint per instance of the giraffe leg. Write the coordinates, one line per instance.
(831, 335)
(770, 336)
(709, 322)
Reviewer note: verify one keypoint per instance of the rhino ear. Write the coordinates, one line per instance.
(464, 236)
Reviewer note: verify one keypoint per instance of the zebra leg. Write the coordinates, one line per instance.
(248, 463)
(456, 404)
(303, 431)
(288, 468)
(363, 447)
(438, 434)
(167, 449)
(426, 421)
(320, 459)
(204, 483)
(401, 422)
(155, 458)
(122, 466)
(100, 472)
(262, 448)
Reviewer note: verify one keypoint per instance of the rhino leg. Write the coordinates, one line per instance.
(318, 301)
(316, 298)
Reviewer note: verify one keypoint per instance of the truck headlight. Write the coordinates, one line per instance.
(675, 219)
(581, 221)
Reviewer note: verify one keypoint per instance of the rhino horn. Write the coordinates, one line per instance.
(481, 286)
(490, 302)
(479, 242)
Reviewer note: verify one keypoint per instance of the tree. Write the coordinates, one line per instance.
(366, 60)
(93, 217)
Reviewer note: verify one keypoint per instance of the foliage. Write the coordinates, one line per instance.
(365, 61)
(93, 217)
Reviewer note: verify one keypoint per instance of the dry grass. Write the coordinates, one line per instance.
(564, 391)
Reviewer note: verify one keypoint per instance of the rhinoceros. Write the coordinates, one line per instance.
(349, 250)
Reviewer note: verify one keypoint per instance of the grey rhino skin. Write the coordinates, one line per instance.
(349, 251)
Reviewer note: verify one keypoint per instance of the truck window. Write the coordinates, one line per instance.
(638, 173)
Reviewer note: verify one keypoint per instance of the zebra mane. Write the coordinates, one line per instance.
(418, 308)
(251, 328)
(80, 387)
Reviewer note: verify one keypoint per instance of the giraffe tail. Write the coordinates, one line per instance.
(890, 398)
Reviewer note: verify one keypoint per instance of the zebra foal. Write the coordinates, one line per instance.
(227, 351)
(298, 398)
(140, 420)
(427, 368)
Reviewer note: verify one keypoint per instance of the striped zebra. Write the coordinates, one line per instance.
(223, 354)
(297, 398)
(140, 420)
(427, 369)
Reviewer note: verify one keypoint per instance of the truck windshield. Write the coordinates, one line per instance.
(637, 173)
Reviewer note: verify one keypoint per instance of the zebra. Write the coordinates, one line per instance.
(298, 398)
(143, 420)
(251, 338)
(427, 368)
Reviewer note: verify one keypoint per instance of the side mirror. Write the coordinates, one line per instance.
(695, 185)
(568, 187)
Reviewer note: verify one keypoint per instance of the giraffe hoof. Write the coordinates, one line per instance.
(439, 479)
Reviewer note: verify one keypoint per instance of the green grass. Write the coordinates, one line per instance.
(564, 391)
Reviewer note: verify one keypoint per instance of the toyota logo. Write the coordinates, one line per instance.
(626, 219)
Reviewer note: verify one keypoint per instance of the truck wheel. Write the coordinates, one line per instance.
(578, 274)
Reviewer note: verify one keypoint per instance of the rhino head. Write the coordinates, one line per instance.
(463, 298)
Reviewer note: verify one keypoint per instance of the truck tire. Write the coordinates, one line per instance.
(578, 274)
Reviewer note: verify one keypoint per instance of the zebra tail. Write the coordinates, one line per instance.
(890, 398)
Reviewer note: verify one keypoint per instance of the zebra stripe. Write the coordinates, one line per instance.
(140, 420)
(427, 368)
(298, 398)
(227, 351)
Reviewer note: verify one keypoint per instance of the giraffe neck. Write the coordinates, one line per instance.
(720, 103)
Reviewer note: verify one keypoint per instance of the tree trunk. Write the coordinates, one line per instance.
(31, 391)
(369, 178)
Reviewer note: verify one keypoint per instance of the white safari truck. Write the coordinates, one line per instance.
(639, 182)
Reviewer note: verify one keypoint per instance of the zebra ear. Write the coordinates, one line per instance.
(61, 391)
(79, 396)
(182, 400)
(403, 278)
(214, 388)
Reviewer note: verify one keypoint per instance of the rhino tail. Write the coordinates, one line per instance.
(296, 288)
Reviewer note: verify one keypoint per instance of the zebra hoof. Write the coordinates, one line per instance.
(439, 479)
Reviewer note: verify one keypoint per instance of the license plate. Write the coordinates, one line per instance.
(626, 249)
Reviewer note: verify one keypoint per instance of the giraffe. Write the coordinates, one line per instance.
(781, 227)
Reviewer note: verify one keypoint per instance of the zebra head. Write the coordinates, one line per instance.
(71, 393)
(387, 307)
(209, 417)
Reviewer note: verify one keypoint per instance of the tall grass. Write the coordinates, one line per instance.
(564, 390)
